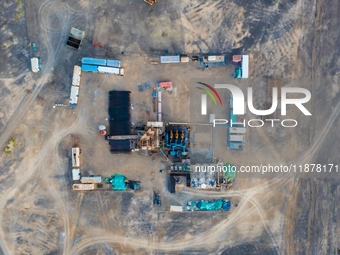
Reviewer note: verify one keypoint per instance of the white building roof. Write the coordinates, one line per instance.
(245, 66)
(76, 76)
(75, 157)
(74, 95)
(35, 65)
(75, 174)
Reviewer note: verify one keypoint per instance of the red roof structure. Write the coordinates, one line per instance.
(237, 58)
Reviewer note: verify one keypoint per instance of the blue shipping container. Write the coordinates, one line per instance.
(236, 146)
(89, 68)
(233, 118)
(113, 63)
(170, 59)
(94, 61)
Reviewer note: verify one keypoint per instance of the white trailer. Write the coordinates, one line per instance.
(76, 76)
(121, 71)
(175, 208)
(237, 130)
(185, 59)
(83, 187)
(74, 95)
(75, 157)
(237, 138)
(91, 179)
(75, 174)
(155, 124)
(245, 66)
(35, 65)
(111, 70)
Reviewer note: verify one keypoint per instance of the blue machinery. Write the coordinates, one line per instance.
(177, 138)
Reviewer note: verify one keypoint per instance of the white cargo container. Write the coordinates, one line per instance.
(236, 138)
(245, 66)
(74, 95)
(185, 59)
(83, 187)
(175, 208)
(91, 179)
(75, 174)
(111, 70)
(76, 76)
(211, 118)
(237, 130)
(75, 157)
(35, 65)
(156, 124)
(220, 58)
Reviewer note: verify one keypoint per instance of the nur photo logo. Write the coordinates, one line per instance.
(238, 103)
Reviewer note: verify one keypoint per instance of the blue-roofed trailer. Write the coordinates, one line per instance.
(113, 63)
(94, 61)
(236, 146)
(233, 118)
(89, 68)
(170, 59)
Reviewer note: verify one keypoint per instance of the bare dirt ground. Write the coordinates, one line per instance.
(40, 214)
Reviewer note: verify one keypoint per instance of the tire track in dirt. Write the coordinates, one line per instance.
(29, 100)
(75, 217)
(60, 201)
(261, 212)
(211, 236)
(307, 158)
(49, 146)
(19, 114)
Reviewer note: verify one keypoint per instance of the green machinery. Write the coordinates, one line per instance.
(121, 183)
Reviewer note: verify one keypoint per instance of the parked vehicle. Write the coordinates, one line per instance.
(157, 198)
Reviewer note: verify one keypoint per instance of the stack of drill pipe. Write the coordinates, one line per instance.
(159, 114)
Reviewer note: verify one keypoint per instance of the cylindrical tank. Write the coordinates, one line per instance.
(102, 127)
(102, 132)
